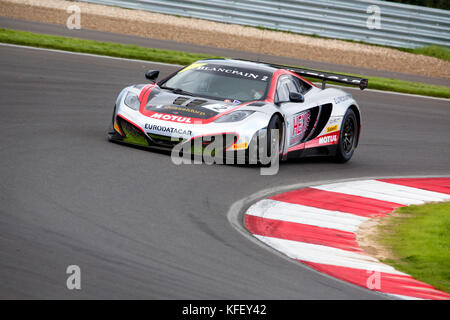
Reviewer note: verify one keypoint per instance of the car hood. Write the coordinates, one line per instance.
(166, 102)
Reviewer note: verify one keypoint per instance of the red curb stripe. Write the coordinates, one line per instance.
(302, 232)
(389, 283)
(441, 185)
(336, 201)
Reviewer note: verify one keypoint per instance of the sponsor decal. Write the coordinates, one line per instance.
(340, 99)
(235, 72)
(334, 120)
(331, 77)
(185, 109)
(220, 107)
(237, 146)
(170, 130)
(182, 113)
(238, 72)
(328, 139)
(192, 66)
(332, 128)
(300, 124)
(169, 117)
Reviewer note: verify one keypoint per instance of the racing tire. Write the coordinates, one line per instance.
(275, 123)
(263, 139)
(348, 138)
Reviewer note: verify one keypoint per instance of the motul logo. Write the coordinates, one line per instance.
(169, 117)
(327, 139)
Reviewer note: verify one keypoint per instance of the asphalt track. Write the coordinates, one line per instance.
(138, 225)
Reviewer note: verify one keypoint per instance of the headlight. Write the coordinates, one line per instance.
(132, 101)
(235, 116)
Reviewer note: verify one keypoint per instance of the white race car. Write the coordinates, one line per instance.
(238, 103)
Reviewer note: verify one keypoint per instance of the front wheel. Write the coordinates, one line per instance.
(348, 137)
(274, 142)
(264, 142)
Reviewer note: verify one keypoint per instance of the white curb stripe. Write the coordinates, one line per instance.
(385, 191)
(278, 210)
(327, 255)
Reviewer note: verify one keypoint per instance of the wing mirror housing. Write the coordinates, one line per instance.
(152, 75)
(296, 97)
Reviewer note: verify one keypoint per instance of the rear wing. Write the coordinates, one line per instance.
(321, 75)
(326, 76)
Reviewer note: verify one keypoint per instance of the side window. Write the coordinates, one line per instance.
(303, 87)
(285, 85)
(292, 85)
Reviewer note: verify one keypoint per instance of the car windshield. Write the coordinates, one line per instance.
(220, 82)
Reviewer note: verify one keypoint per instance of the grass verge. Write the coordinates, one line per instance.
(98, 47)
(180, 57)
(432, 51)
(419, 239)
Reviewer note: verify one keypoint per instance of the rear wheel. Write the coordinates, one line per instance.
(348, 137)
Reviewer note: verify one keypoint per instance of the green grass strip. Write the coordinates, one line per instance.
(432, 51)
(419, 238)
(98, 47)
(180, 57)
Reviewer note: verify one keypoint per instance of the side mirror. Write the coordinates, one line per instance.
(296, 97)
(152, 75)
